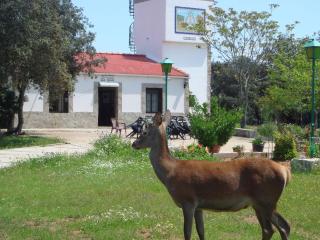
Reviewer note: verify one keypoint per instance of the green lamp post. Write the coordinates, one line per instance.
(313, 53)
(166, 66)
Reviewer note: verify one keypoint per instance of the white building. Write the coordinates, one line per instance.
(160, 30)
(126, 87)
(132, 85)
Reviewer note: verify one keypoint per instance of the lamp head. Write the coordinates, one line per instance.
(166, 65)
(312, 49)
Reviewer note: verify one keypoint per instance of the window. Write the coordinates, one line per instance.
(154, 100)
(59, 103)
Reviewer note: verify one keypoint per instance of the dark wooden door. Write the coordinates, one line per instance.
(106, 106)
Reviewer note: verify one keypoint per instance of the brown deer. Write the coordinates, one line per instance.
(219, 186)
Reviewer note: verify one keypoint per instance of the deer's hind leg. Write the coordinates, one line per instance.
(264, 218)
(281, 224)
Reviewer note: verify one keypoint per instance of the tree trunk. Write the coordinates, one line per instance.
(10, 125)
(20, 109)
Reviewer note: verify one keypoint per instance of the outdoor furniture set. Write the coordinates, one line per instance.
(179, 127)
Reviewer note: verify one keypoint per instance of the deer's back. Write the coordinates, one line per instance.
(220, 183)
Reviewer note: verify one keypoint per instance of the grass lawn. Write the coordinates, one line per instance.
(112, 193)
(25, 141)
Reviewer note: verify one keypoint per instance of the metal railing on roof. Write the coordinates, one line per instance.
(132, 45)
(131, 7)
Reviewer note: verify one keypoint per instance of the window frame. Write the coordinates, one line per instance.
(58, 104)
(159, 93)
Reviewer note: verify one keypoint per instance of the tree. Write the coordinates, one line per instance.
(39, 42)
(290, 93)
(242, 39)
(224, 85)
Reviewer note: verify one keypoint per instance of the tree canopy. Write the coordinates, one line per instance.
(289, 95)
(39, 42)
(243, 40)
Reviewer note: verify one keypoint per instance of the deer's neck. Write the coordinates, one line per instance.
(161, 160)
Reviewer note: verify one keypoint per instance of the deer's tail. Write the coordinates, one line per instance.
(286, 171)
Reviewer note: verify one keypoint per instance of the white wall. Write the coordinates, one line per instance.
(83, 96)
(155, 37)
(149, 27)
(131, 94)
(176, 95)
(35, 101)
(132, 90)
(192, 60)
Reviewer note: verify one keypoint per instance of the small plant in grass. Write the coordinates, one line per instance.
(113, 146)
(285, 146)
(238, 148)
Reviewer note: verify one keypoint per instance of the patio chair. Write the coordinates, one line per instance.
(175, 130)
(118, 126)
(137, 127)
(185, 125)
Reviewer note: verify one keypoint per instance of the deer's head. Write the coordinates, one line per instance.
(153, 131)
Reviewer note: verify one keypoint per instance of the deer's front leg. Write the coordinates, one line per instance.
(199, 223)
(188, 213)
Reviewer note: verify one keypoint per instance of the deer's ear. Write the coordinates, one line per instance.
(157, 120)
(167, 118)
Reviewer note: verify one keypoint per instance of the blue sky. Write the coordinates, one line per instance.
(111, 19)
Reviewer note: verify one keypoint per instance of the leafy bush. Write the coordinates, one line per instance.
(214, 127)
(285, 146)
(112, 146)
(298, 132)
(193, 152)
(192, 100)
(267, 130)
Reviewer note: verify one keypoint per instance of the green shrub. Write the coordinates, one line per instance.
(112, 146)
(298, 132)
(193, 152)
(285, 146)
(214, 127)
(267, 130)
(192, 100)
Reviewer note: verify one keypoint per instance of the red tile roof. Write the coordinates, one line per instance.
(132, 64)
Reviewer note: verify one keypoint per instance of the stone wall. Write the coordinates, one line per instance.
(60, 120)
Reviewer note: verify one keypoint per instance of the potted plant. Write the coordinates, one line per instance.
(213, 129)
(257, 144)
